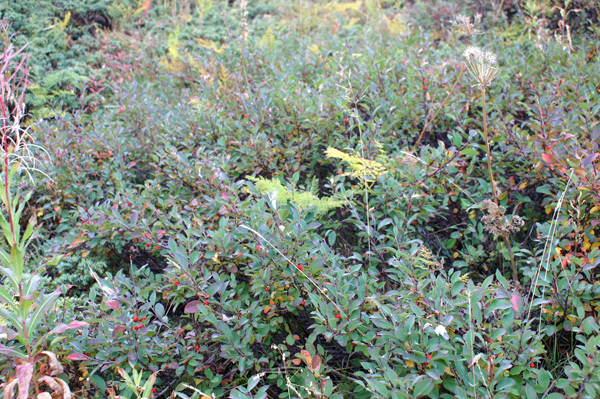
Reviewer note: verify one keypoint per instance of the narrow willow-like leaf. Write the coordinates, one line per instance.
(44, 304)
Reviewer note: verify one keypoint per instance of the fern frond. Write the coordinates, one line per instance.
(301, 198)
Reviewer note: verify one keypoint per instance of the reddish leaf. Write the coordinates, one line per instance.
(517, 303)
(61, 328)
(112, 303)
(77, 242)
(77, 356)
(118, 330)
(192, 307)
(307, 356)
(548, 158)
(316, 363)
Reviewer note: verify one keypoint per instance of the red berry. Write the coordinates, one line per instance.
(267, 289)
(424, 87)
(87, 354)
(245, 115)
(532, 364)
(429, 357)
(353, 345)
(258, 248)
(347, 120)
(303, 303)
(327, 75)
(175, 283)
(206, 303)
(197, 348)
(147, 245)
(153, 389)
(135, 318)
(249, 80)
(338, 316)
(135, 328)
(120, 111)
(300, 267)
(157, 247)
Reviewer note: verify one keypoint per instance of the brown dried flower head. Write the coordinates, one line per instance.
(496, 222)
(464, 26)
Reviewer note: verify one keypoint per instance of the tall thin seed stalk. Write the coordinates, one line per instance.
(493, 184)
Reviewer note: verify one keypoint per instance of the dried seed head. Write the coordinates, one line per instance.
(496, 222)
(481, 65)
(464, 26)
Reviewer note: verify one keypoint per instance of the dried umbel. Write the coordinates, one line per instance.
(464, 26)
(482, 65)
(496, 222)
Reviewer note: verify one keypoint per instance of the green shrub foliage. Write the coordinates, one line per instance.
(310, 199)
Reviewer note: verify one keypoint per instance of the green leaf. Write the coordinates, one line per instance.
(147, 389)
(379, 387)
(505, 383)
(469, 151)
(530, 392)
(544, 379)
(43, 305)
(99, 382)
(12, 317)
(12, 352)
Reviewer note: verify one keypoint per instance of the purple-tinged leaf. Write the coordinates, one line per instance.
(589, 159)
(24, 374)
(12, 352)
(192, 307)
(112, 303)
(77, 356)
(61, 328)
(120, 329)
(9, 390)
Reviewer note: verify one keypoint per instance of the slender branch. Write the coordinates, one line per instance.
(462, 68)
(494, 193)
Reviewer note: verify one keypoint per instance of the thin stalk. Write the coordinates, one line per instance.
(494, 194)
(429, 122)
(6, 171)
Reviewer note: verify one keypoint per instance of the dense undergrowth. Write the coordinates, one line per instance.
(297, 200)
